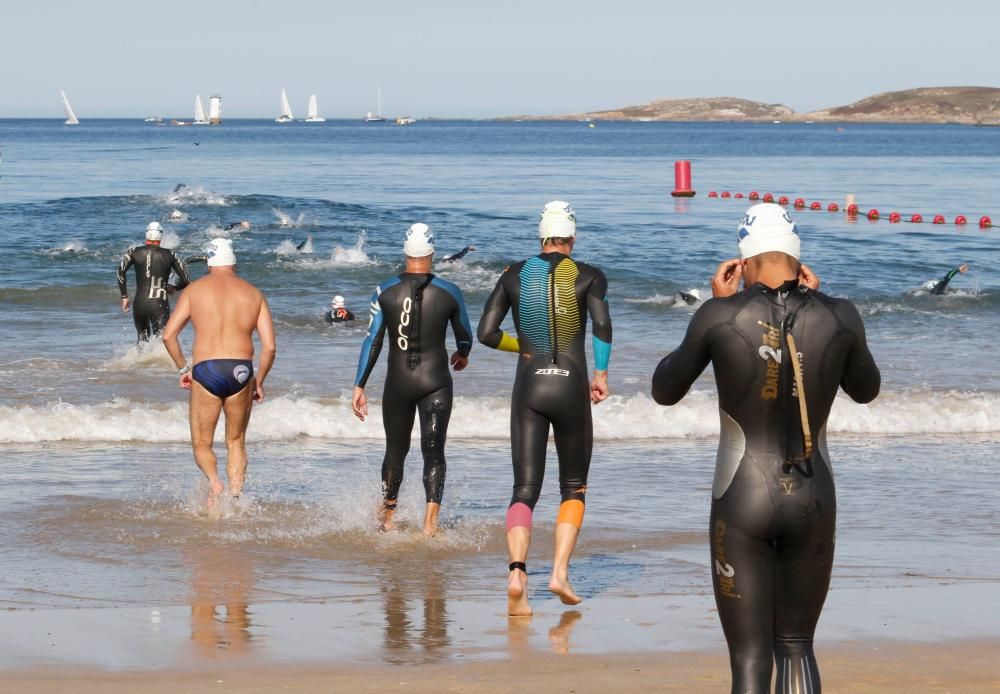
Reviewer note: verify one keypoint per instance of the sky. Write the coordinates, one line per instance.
(118, 58)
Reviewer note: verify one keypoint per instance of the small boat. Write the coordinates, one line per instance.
(405, 120)
(199, 112)
(174, 121)
(312, 115)
(71, 118)
(286, 109)
(153, 119)
(377, 116)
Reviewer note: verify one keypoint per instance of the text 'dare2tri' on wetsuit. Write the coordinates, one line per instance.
(414, 311)
(551, 296)
(150, 307)
(773, 502)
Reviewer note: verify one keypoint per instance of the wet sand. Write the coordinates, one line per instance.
(884, 667)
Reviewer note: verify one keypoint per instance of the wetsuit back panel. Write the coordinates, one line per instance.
(153, 265)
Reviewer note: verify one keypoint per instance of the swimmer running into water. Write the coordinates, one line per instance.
(773, 503)
(415, 309)
(153, 265)
(225, 311)
(551, 296)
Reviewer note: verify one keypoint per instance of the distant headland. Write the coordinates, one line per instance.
(964, 105)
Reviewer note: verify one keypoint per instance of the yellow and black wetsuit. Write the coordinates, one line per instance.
(551, 296)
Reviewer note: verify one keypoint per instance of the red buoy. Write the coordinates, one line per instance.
(738, 196)
(852, 210)
(783, 200)
(712, 194)
(939, 219)
(960, 219)
(768, 197)
(873, 215)
(754, 195)
(833, 207)
(725, 194)
(985, 222)
(816, 206)
(894, 217)
(682, 180)
(799, 203)
(916, 219)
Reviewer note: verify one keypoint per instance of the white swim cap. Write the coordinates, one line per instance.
(558, 221)
(154, 231)
(338, 302)
(767, 227)
(220, 253)
(419, 241)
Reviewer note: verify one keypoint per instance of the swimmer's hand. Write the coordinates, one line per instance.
(124, 304)
(171, 289)
(359, 403)
(808, 277)
(726, 280)
(963, 268)
(258, 392)
(599, 387)
(185, 381)
(458, 362)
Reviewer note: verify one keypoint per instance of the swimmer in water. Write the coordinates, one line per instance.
(939, 287)
(773, 503)
(415, 309)
(338, 312)
(153, 265)
(689, 298)
(225, 311)
(242, 224)
(302, 245)
(458, 256)
(551, 296)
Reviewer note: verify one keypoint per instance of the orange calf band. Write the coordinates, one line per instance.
(571, 512)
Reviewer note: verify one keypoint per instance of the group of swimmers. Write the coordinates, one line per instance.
(779, 347)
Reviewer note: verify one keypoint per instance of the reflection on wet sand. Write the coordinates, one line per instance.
(221, 581)
(403, 634)
(519, 633)
(559, 634)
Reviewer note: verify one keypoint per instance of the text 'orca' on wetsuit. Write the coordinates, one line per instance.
(773, 503)
(150, 307)
(414, 310)
(551, 296)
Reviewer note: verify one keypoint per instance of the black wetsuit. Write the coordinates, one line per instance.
(552, 385)
(415, 310)
(338, 315)
(456, 256)
(773, 502)
(150, 307)
(941, 286)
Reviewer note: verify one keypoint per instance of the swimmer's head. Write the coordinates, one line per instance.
(767, 228)
(338, 302)
(558, 221)
(154, 231)
(419, 241)
(220, 253)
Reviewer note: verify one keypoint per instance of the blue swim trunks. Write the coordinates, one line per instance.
(223, 377)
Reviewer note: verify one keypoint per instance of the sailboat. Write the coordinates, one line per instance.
(199, 112)
(286, 109)
(312, 116)
(71, 118)
(377, 116)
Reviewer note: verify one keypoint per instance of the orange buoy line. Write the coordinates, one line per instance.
(851, 210)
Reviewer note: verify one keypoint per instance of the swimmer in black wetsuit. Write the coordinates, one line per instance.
(940, 286)
(242, 224)
(551, 296)
(153, 264)
(458, 256)
(773, 503)
(338, 312)
(415, 309)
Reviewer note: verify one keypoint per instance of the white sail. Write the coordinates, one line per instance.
(286, 109)
(71, 118)
(199, 111)
(312, 116)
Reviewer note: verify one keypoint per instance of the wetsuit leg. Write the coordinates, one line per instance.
(435, 412)
(529, 435)
(574, 435)
(397, 418)
(150, 317)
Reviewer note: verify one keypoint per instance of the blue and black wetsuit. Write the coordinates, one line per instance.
(773, 501)
(551, 296)
(150, 307)
(415, 310)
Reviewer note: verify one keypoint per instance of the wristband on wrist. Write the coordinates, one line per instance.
(181, 372)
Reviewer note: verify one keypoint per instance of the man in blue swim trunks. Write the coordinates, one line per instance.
(225, 311)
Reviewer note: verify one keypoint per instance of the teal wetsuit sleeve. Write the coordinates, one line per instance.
(123, 267)
(372, 345)
(600, 316)
(460, 324)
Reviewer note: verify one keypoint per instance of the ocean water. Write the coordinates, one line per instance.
(102, 501)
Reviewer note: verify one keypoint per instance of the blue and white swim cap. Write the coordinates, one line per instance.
(767, 227)
(419, 241)
(558, 220)
(220, 253)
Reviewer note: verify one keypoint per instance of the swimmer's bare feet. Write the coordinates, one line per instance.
(386, 513)
(560, 586)
(517, 594)
(215, 492)
(431, 519)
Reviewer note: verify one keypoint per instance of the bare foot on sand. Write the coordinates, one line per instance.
(561, 587)
(517, 594)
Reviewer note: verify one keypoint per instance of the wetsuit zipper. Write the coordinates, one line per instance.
(413, 352)
(552, 304)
